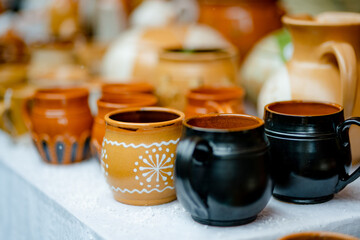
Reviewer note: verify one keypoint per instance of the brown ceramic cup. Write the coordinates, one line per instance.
(115, 90)
(106, 105)
(206, 100)
(318, 236)
(60, 124)
(138, 154)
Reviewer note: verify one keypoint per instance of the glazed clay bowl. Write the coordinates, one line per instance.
(138, 154)
(318, 236)
(60, 123)
(207, 99)
(106, 105)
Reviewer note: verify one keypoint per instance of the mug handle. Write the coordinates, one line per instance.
(26, 112)
(184, 162)
(343, 133)
(346, 59)
(220, 108)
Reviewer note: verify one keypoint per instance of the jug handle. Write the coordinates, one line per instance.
(26, 112)
(183, 168)
(346, 59)
(220, 108)
(343, 133)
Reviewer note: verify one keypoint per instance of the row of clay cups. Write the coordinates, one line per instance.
(69, 139)
(228, 165)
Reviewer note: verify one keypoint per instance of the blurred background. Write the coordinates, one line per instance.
(51, 43)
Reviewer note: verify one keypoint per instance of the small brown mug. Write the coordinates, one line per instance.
(115, 90)
(206, 100)
(138, 154)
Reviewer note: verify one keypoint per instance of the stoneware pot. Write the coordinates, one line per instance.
(318, 236)
(325, 65)
(205, 100)
(243, 22)
(107, 105)
(310, 150)
(180, 70)
(60, 123)
(222, 169)
(115, 90)
(138, 154)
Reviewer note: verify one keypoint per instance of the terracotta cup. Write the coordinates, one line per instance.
(107, 105)
(113, 90)
(138, 154)
(214, 100)
(60, 123)
(318, 236)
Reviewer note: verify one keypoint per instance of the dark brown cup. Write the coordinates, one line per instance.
(310, 150)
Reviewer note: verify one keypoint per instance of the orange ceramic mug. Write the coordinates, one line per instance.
(106, 105)
(138, 154)
(60, 123)
(206, 100)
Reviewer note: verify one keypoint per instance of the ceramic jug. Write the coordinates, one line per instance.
(324, 67)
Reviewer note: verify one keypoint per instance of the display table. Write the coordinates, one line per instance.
(42, 201)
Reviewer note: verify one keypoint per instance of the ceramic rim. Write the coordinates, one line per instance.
(335, 105)
(109, 121)
(214, 93)
(259, 121)
(301, 235)
(61, 93)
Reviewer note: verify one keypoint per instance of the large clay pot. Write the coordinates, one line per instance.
(60, 123)
(325, 65)
(180, 70)
(242, 22)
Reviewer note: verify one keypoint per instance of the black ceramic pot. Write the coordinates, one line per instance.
(310, 150)
(222, 172)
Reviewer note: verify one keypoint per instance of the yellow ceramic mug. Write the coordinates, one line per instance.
(138, 154)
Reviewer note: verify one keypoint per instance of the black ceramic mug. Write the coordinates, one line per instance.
(222, 174)
(310, 150)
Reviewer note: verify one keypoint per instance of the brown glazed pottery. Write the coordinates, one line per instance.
(242, 22)
(60, 123)
(205, 100)
(107, 105)
(180, 70)
(318, 236)
(325, 65)
(138, 154)
(113, 90)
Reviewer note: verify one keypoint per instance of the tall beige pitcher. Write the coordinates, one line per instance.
(325, 65)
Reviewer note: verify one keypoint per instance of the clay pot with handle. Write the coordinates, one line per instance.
(325, 65)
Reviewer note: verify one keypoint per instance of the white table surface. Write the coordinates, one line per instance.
(42, 201)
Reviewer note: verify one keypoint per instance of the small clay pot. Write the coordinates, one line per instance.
(113, 90)
(214, 100)
(138, 154)
(318, 236)
(60, 123)
(107, 105)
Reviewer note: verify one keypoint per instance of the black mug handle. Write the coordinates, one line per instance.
(343, 133)
(185, 152)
